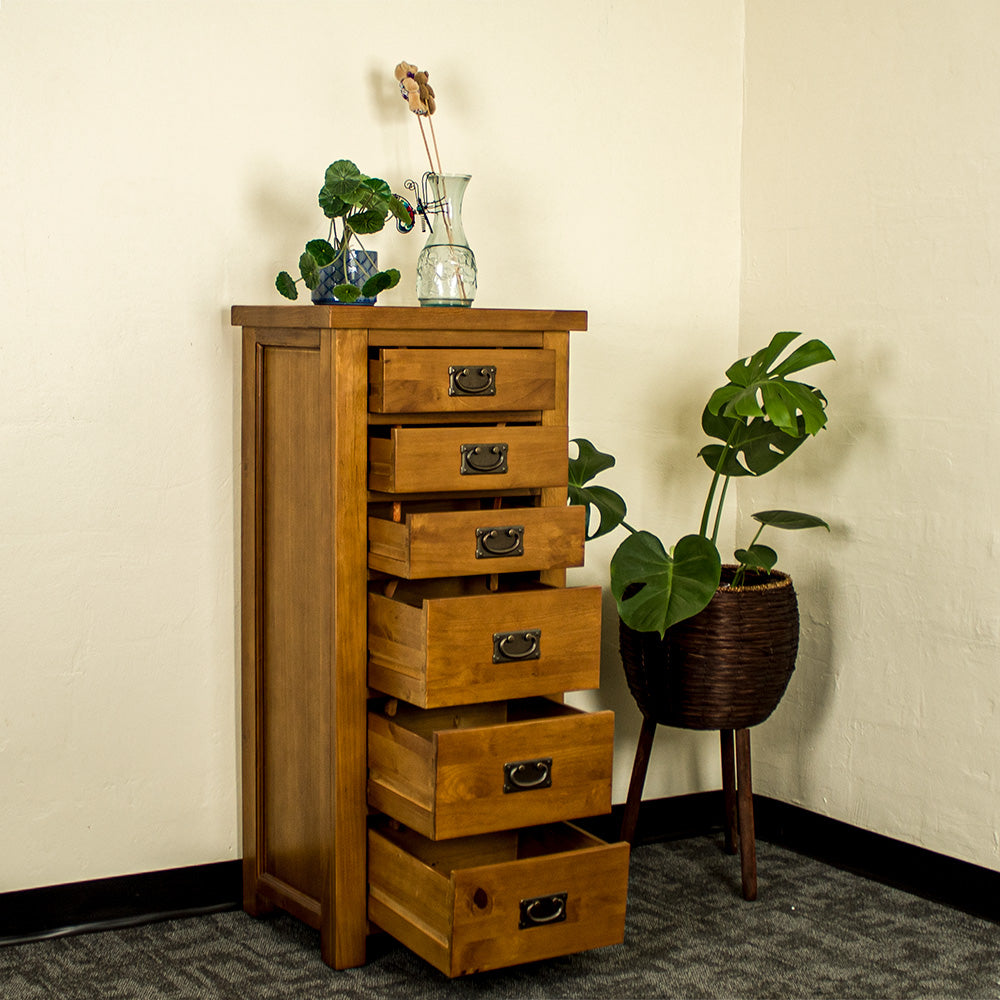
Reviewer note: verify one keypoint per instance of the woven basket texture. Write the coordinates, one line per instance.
(725, 668)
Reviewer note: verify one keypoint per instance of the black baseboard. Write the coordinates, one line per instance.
(129, 900)
(959, 884)
(122, 901)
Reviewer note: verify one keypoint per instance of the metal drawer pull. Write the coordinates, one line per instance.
(483, 458)
(494, 543)
(524, 645)
(526, 775)
(472, 380)
(543, 910)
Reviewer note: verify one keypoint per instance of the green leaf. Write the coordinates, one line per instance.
(378, 282)
(791, 520)
(379, 194)
(609, 505)
(322, 252)
(755, 392)
(342, 178)
(346, 292)
(760, 444)
(813, 352)
(309, 270)
(334, 207)
(672, 587)
(365, 222)
(400, 211)
(286, 285)
(589, 462)
(752, 369)
(758, 556)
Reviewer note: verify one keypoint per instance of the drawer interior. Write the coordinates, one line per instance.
(425, 722)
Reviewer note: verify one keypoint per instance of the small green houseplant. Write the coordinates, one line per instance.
(760, 417)
(356, 205)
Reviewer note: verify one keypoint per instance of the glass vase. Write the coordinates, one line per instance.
(446, 267)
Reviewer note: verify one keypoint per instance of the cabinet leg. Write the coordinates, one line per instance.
(639, 767)
(748, 851)
(729, 789)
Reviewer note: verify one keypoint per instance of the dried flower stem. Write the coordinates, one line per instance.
(430, 121)
(423, 135)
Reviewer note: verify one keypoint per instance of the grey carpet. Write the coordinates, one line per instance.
(814, 932)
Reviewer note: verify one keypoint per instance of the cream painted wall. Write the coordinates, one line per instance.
(160, 162)
(871, 218)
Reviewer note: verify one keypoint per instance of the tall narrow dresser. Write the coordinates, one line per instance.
(409, 765)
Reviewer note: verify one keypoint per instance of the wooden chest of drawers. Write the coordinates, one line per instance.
(408, 765)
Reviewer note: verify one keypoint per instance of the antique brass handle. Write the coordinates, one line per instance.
(526, 775)
(523, 645)
(483, 458)
(494, 543)
(543, 910)
(472, 380)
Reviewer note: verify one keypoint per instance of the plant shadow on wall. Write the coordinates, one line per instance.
(677, 606)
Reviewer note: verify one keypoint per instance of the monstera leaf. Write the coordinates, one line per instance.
(672, 586)
(751, 448)
(754, 391)
(609, 505)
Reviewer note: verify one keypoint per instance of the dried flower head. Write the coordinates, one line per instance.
(415, 89)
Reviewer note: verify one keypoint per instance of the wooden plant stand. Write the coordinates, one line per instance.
(737, 793)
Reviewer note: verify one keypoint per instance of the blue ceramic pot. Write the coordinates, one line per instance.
(356, 269)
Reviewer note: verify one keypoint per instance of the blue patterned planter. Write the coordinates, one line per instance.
(361, 265)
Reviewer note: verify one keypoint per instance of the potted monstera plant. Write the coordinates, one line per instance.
(335, 271)
(708, 645)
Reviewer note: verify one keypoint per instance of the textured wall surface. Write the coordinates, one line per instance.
(160, 163)
(871, 217)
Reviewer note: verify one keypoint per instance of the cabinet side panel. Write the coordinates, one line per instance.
(295, 598)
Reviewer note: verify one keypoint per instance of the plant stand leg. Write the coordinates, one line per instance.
(631, 817)
(744, 795)
(729, 788)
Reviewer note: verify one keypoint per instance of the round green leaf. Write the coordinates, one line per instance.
(322, 252)
(286, 285)
(378, 282)
(366, 222)
(347, 292)
(309, 270)
(333, 205)
(342, 178)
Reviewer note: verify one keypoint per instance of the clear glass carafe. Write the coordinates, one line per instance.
(446, 267)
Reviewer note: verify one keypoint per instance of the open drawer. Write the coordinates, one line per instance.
(438, 459)
(475, 769)
(461, 380)
(453, 641)
(489, 902)
(428, 544)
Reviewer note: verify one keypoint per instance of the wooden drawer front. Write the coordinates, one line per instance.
(469, 543)
(485, 647)
(433, 459)
(547, 762)
(461, 380)
(459, 904)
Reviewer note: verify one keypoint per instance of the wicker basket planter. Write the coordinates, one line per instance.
(725, 668)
